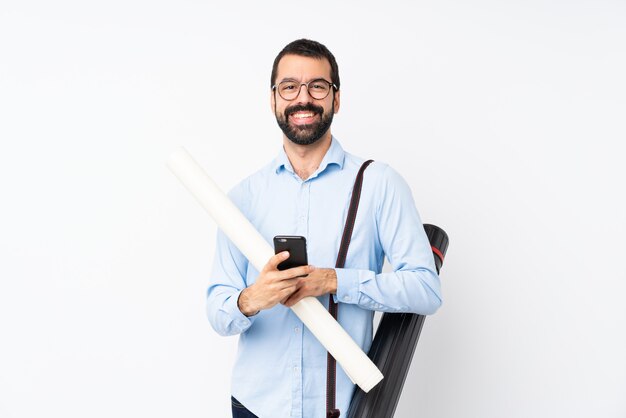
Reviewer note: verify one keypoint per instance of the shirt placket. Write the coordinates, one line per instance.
(302, 228)
(302, 222)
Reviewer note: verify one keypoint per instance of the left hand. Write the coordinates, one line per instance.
(318, 282)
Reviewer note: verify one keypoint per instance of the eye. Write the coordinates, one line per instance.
(288, 86)
(319, 85)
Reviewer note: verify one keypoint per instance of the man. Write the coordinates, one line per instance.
(280, 369)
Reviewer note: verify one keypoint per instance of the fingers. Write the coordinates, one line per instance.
(297, 271)
(294, 298)
(286, 293)
(289, 301)
(276, 286)
(300, 292)
(275, 260)
(313, 285)
(288, 283)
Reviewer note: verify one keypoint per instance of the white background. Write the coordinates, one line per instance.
(506, 118)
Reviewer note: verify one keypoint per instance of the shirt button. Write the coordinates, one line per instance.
(295, 369)
(296, 329)
(346, 297)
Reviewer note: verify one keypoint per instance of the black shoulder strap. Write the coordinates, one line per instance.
(331, 368)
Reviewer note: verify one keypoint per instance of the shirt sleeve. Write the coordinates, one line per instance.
(227, 281)
(414, 285)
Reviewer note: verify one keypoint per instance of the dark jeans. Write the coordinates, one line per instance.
(240, 411)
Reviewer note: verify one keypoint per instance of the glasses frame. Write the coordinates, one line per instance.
(330, 85)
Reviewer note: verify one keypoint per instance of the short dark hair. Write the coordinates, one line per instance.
(307, 48)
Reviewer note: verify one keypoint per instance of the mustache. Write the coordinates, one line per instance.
(304, 108)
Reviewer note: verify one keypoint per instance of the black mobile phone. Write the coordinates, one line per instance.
(296, 245)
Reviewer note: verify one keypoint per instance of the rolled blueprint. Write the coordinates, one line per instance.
(359, 368)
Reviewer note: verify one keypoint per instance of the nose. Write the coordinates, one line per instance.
(303, 97)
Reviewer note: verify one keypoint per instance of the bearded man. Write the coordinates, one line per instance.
(281, 368)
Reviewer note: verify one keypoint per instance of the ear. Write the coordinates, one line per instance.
(337, 100)
(272, 100)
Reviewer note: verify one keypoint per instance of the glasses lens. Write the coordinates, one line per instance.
(319, 89)
(288, 90)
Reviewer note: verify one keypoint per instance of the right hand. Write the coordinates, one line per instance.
(272, 286)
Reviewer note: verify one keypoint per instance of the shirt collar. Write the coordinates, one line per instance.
(334, 155)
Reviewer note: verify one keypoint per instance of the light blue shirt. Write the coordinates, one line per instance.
(280, 369)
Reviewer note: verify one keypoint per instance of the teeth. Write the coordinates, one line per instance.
(303, 115)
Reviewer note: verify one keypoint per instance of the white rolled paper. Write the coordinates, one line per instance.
(359, 368)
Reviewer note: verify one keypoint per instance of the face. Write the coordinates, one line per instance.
(304, 120)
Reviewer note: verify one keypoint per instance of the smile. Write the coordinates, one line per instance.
(302, 115)
(303, 118)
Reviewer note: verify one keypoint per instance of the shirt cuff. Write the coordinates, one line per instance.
(240, 321)
(348, 284)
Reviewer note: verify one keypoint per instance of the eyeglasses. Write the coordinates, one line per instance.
(318, 88)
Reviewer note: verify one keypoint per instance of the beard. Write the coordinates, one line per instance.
(305, 134)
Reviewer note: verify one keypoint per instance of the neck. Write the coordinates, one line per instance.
(305, 159)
